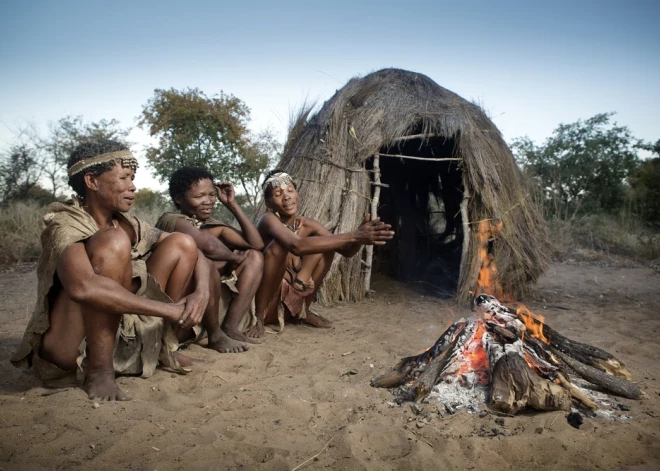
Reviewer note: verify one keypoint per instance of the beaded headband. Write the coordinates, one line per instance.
(127, 161)
(280, 179)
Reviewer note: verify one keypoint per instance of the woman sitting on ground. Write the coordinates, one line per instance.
(298, 255)
(99, 263)
(236, 254)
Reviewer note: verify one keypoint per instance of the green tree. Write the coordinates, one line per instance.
(148, 198)
(20, 171)
(646, 185)
(259, 154)
(63, 136)
(193, 129)
(584, 165)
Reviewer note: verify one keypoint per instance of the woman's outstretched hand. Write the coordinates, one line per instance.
(373, 232)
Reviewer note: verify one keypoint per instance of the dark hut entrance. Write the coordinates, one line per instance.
(422, 202)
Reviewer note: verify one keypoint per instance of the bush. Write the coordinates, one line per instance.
(21, 224)
(599, 236)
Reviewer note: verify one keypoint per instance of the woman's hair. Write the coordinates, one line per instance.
(87, 150)
(185, 177)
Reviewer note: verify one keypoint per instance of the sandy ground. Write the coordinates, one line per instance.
(285, 401)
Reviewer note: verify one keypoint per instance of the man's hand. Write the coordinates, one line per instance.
(225, 193)
(194, 307)
(373, 232)
(240, 258)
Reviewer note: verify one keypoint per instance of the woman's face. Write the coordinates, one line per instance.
(198, 200)
(114, 189)
(284, 201)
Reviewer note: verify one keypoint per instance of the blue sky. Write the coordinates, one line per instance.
(532, 65)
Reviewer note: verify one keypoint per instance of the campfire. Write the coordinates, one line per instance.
(507, 357)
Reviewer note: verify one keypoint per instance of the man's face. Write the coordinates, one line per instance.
(284, 200)
(198, 200)
(115, 189)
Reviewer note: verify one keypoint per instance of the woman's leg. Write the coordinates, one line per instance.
(218, 340)
(273, 273)
(249, 274)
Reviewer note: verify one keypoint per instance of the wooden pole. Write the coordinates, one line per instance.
(374, 214)
(413, 136)
(464, 270)
(430, 159)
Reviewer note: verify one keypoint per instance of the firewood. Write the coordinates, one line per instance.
(392, 378)
(576, 393)
(611, 383)
(424, 383)
(587, 354)
(405, 366)
(515, 386)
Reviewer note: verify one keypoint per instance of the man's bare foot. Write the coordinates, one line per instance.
(257, 330)
(240, 336)
(102, 385)
(221, 342)
(316, 320)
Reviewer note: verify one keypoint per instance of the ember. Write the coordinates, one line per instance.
(514, 358)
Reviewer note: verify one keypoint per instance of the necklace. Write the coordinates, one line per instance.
(293, 228)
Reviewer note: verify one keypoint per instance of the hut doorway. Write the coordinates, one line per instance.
(422, 202)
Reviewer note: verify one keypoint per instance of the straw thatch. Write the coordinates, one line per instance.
(329, 155)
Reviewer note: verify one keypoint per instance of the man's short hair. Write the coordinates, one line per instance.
(184, 178)
(87, 150)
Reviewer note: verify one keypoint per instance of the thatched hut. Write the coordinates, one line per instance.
(443, 168)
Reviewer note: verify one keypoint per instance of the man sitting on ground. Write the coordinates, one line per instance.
(98, 264)
(236, 254)
(298, 255)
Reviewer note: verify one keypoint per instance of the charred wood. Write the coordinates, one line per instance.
(586, 354)
(399, 374)
(424, 384)
(606, 381)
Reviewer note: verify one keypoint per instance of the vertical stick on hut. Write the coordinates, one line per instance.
(466, 239)
(374, 215)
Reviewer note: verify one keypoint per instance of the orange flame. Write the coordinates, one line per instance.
(488, 280)
(533, 323)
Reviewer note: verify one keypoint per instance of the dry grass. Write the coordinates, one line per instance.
(602, 238)
(21, 224)
(20, 229)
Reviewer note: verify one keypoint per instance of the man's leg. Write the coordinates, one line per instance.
(218, 340)
(109, 252)
(273, 274)
(249, 274)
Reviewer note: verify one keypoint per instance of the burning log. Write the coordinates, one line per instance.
(514, 357)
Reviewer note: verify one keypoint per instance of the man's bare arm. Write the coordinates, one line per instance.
(84, 286)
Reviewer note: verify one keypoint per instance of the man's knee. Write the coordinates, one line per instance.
(109, 245)
(182, 243)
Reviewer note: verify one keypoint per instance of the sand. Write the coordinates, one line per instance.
(306, 392)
